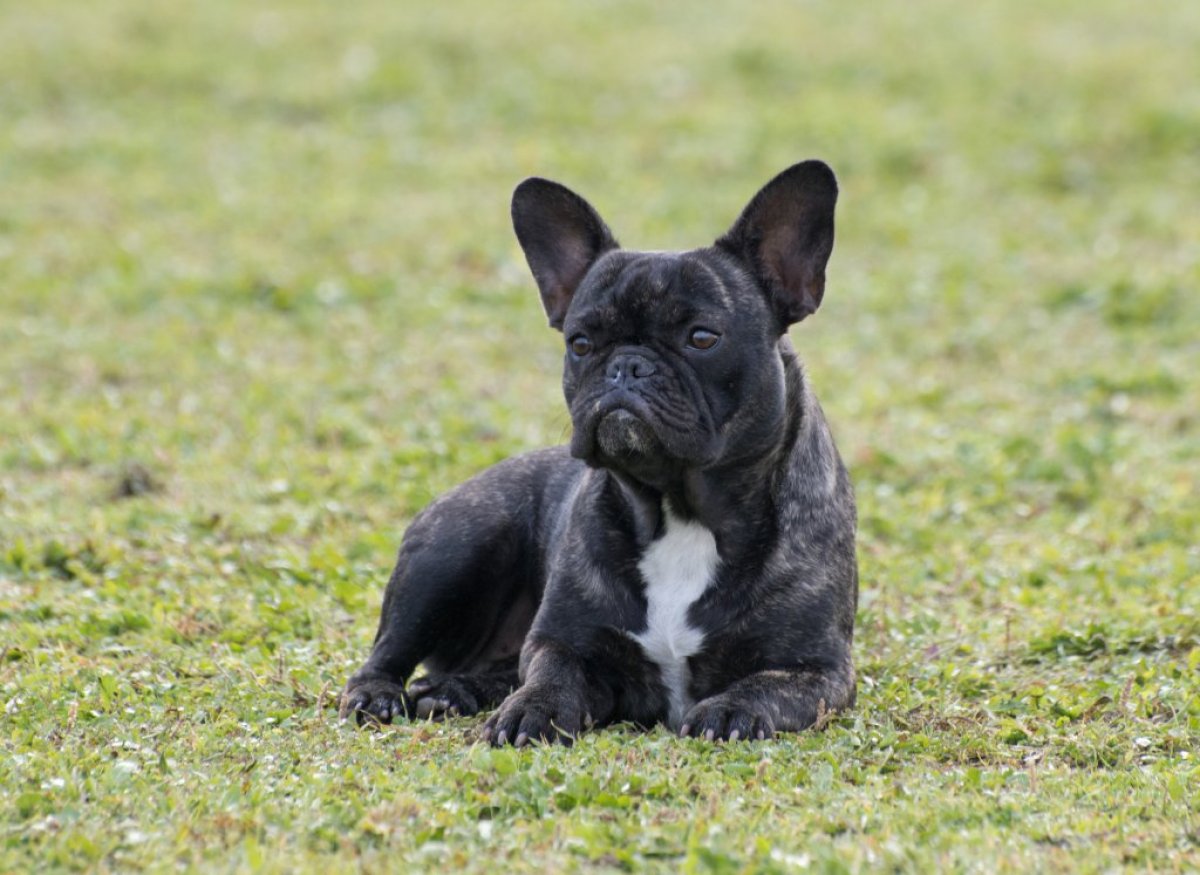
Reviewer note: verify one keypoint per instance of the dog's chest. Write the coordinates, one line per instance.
(677, 568)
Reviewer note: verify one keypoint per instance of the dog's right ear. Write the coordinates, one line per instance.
(562, 237)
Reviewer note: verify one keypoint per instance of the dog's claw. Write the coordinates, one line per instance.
(350, 706)
(429, 708)
(420, 686)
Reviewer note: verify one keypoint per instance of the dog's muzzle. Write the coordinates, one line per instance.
(620, 433)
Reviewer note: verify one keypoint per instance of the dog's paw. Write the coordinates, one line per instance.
(374, 701)
(535, 715)
(442, 697)
(726, 719)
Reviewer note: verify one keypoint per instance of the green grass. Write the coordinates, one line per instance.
(255, 267)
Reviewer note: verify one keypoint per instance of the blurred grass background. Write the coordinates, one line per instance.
(256, 270)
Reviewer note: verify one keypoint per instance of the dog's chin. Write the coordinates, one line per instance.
(620, 440)
(623, 442)
(621, 435)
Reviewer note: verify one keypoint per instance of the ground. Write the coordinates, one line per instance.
(259, 301)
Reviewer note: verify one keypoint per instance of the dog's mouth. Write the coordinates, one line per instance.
(621, 434)
(639, 434)
(617, 435)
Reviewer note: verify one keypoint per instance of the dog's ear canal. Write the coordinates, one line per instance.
(562, 237)
(785, 236)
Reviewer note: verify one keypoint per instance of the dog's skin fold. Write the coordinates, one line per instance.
(689, 558)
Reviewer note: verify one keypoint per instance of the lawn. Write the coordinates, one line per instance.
(260, 301)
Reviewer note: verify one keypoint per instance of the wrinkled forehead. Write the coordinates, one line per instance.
(659, 288)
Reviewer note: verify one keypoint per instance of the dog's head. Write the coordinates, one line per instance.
(672, 358)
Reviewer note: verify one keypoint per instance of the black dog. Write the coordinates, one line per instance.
(690, 557)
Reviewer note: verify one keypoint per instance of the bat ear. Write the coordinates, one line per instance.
(785, 236)
(562, 236)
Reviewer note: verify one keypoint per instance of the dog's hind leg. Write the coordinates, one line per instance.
(460, 598)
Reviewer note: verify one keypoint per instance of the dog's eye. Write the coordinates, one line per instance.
(580, 345)
(702, 338)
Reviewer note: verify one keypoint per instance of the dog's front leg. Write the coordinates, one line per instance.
(556, 702)
(766, 702)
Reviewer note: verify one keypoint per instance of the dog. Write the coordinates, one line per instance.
(689, 558)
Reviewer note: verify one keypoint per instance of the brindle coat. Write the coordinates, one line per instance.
(522, 587)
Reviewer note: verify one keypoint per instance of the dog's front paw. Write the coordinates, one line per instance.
(535, 715)
(719, 718)
(374, 701)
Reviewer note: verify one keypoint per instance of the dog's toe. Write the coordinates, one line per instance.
(434, 708)
(437, 698)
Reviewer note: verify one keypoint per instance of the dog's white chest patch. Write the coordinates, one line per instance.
(677, 568)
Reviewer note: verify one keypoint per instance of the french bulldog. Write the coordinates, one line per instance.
(689, 558)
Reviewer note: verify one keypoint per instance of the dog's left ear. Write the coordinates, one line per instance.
(562, 236)
(785, 236)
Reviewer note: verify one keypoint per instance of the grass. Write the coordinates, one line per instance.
(259, 301)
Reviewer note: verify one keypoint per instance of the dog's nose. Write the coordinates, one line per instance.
(625, 368)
